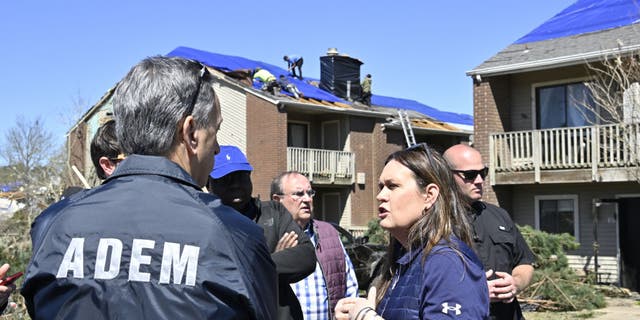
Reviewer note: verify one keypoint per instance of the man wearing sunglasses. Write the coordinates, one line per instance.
(502, 249)
(334, 277)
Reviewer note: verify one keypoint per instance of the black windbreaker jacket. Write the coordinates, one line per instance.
(148, 244)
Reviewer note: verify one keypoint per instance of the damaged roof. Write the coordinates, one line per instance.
(586, 31)
(433, 118)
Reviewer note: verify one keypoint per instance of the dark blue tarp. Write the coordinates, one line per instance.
(586, 16)
(434, 113)
(230, 63)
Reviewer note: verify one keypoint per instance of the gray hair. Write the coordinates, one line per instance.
(150, 102)
(276, 183)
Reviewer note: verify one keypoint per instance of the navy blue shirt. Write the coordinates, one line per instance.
(450, 284)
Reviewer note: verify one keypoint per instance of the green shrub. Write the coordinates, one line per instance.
(553, 280)
(375, 233)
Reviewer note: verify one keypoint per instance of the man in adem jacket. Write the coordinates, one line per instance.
(334, 277)
(148, 243)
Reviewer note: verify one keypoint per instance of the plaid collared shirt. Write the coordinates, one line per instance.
(312, 290)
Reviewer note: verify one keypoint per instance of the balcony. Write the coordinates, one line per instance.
(322, 166)
(606, 153)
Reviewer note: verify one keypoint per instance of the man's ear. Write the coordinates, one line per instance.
(275, 197)
(107, 165)
(188, 134)
(432, 191)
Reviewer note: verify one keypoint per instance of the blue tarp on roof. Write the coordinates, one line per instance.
(422, 108)
(586, 16)
(230, 63)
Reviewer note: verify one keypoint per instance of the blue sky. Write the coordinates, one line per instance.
(54, 53)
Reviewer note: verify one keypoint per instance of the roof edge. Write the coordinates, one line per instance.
(551, 62)
(368, 113)
(459, 132)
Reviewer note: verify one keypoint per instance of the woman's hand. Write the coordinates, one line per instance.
(350, 308)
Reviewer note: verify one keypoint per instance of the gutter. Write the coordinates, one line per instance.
(551, 62)
(310, 106)
(462, 133)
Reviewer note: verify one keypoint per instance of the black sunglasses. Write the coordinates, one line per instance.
(470, 175)
(203, 71)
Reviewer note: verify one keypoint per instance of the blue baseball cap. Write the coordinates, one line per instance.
(230, 159)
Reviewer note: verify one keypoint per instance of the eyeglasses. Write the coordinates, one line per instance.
(203, 71)
(470, 175)
(300, 194)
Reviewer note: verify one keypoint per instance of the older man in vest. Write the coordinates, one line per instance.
(334, 277)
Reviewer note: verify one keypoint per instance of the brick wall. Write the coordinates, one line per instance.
(266, 143)
(362, 145)
(491, 113)
(371, 145)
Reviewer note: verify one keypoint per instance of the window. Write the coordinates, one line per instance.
(331, 210)
(557, 214)
(331, 135)
(298, 134)
(565, 105)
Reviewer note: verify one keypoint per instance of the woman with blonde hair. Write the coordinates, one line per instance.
(430, 272)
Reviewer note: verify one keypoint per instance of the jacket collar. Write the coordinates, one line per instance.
(405, 257)
(152, 165)
(477, 207)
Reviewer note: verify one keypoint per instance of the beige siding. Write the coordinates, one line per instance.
(608, 266)
(523, 211)
(523, 206)
(345, 219)
(233, 103)
(522, 93)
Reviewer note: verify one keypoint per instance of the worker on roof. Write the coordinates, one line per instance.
(287, 86)
(267, 78)
(366, 90)
(293, 62)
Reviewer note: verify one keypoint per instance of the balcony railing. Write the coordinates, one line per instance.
(591, 148)
(322, 166)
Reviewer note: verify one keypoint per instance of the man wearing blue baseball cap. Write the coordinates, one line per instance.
(291, 249)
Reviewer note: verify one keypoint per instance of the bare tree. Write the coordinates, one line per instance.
(26, 147)
(615, 93)
(33, 160)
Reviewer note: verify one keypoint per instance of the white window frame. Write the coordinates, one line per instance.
(534, 98)
(576, 210)
(308, 124)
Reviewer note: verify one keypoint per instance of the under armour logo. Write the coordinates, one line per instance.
(228, 157)
(446, 308)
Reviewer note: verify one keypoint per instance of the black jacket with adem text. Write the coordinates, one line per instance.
(148, 244)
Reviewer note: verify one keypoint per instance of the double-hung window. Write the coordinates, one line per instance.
(557, 214)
